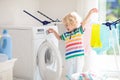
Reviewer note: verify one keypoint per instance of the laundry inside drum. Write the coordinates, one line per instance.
(48, 57)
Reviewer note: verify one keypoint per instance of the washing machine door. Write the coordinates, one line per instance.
(49, 61)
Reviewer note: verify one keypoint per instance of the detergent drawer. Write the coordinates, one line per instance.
(39, 32)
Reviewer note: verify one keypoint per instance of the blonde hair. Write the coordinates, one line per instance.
(72, 19)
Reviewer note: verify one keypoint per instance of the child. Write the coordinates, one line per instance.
(73, 40)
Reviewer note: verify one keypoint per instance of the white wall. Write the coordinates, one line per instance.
(57, 8)
(102, 12)
(11, 12)
(83, 6)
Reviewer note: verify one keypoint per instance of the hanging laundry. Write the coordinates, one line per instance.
(95, 36)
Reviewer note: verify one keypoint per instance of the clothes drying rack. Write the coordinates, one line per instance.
(57, 20)
(43, 22)
(113, 25)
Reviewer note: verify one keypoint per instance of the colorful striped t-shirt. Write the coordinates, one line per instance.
(74, 43)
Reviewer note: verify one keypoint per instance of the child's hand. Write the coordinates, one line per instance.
(94, 10)
(50, 30)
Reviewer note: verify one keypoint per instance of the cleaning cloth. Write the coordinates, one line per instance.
(95, 41)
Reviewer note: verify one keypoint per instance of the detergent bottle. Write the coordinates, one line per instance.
(6, 44)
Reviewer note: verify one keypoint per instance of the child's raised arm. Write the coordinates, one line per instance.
(94, 10)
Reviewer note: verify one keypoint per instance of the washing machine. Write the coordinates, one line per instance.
(37, 52)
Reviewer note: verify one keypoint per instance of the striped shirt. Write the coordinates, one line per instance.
(74, 43)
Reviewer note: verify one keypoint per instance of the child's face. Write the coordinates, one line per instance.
(69, 28)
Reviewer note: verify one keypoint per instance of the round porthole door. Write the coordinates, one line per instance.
(49, 61)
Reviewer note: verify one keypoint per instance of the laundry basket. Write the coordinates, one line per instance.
(6, 69)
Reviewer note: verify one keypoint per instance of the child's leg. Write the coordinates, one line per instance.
(70, 67)
(77, 67)
(80, 64)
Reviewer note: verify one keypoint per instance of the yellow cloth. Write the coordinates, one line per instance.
(95, 36)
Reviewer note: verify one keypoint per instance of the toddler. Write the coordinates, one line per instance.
(73, 40)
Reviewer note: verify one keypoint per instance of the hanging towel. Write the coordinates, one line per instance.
(95, 36)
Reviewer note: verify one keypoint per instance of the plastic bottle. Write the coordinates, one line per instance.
(6, 44)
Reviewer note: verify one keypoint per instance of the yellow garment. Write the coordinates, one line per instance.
(95, 36)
